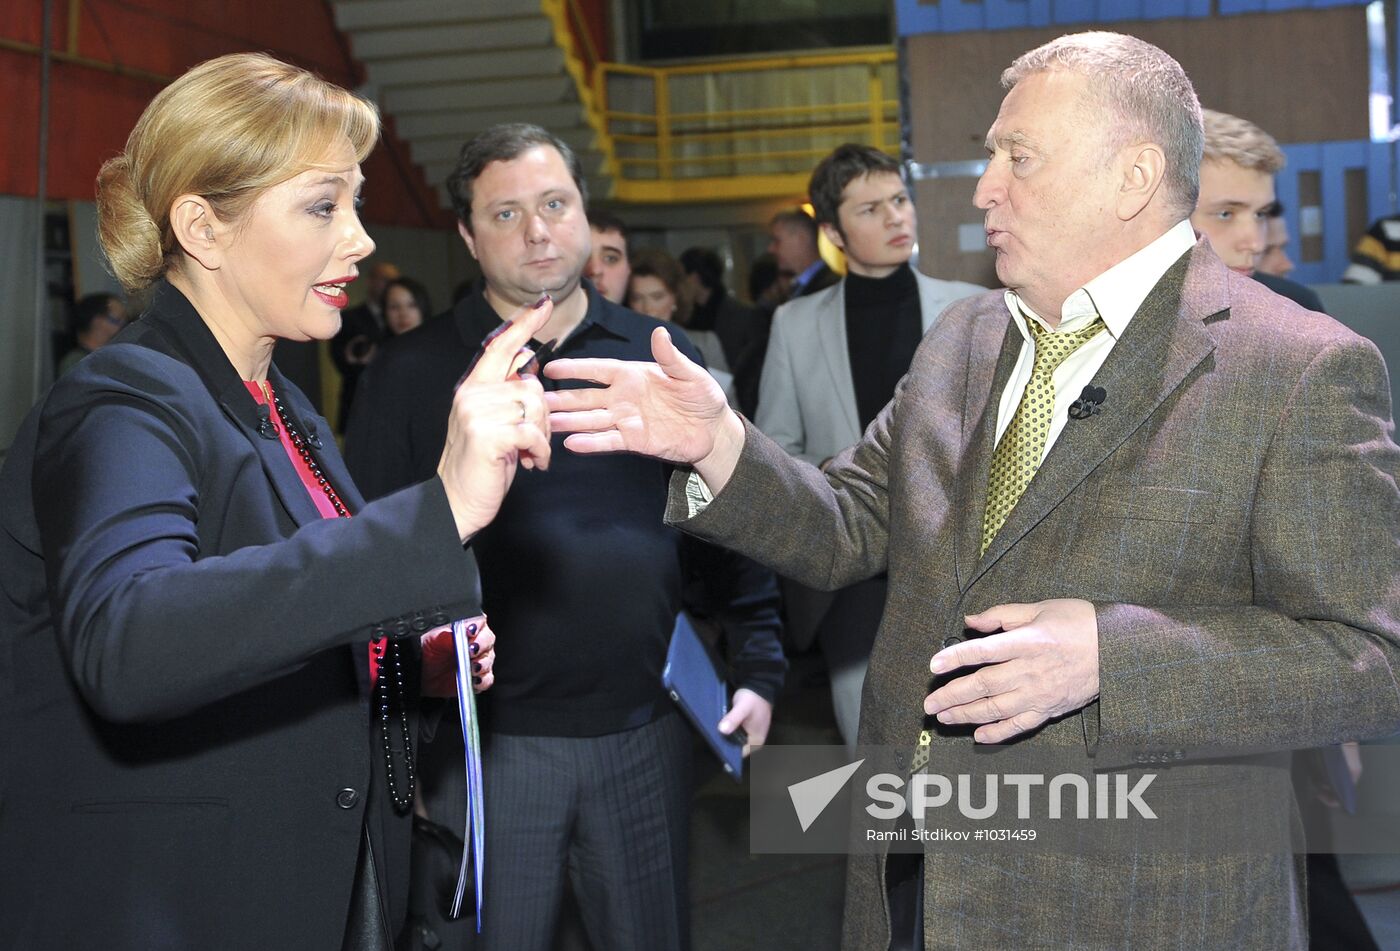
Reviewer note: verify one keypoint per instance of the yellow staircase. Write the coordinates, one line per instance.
(739, 129)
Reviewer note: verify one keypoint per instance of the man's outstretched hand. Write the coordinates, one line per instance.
(671, 409)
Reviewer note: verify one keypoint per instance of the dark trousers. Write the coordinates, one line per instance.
(904, 891)
(613, 813)
(1335, 922)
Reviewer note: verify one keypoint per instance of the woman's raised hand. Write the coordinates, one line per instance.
(498, 420)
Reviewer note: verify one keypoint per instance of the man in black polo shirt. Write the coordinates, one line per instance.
(587, 764)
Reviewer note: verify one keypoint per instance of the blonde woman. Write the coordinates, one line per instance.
(211, 647)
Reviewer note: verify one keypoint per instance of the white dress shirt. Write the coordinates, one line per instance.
(1115, 295)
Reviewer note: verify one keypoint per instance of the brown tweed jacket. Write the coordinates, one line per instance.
(1232, 514)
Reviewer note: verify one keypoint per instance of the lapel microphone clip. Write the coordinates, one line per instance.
(1090, 402)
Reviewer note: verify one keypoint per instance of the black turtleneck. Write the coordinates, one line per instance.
(883, 329)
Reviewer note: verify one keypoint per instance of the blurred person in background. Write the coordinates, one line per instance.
(608, 264)
(1275, 259)
(713, 307)
(96, 320)
(792, 240)
(657, 288)
(405, 305)
(1237, 198)
(361, 329)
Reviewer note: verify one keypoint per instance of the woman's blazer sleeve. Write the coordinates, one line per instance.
(131, 454)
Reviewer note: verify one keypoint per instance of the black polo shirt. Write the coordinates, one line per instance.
(580, 577)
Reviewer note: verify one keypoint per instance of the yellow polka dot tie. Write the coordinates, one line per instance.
(1017, 457)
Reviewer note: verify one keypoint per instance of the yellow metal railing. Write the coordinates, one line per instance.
(582, 61)
(683, 133)
(674, 151)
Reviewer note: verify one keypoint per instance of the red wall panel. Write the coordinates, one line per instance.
(92, 107)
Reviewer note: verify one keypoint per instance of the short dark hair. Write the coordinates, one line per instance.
(606, 221)
(798, 219)
(502, 143)
(837, 170)
(762, 275)
(705, 264)
(89, 309)
(419, 292)
(653, 262)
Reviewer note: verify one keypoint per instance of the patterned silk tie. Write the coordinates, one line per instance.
(1017, 457)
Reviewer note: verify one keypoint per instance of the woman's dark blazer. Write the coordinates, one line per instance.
(188, 754)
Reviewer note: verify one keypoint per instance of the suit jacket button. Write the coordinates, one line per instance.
(899, 761)
(950, 641)
(347, 798)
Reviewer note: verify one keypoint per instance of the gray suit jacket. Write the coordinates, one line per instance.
(1233, 516)
(807, 397)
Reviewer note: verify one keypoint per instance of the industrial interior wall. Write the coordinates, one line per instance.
(119, 53)
(110, 58)
(1301, 75)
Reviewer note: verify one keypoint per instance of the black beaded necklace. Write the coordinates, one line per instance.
(386, 649)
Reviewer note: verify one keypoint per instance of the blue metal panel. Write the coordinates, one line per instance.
(1006, 14)
(960, 16)
(957, 16)
(1380, 162)
(913, 18)
(1286, 188)
(1073, 11)
(1301, 158)
(1332, 161)
(1337, 157)
(1165, 9)
(1111, 11)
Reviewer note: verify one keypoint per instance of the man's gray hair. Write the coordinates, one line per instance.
(1145, 96)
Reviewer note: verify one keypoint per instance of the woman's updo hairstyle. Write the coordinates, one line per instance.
(225, 130)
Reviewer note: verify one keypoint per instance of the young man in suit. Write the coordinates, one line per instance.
(1237, 200)
(834, 359)
(1153, 582)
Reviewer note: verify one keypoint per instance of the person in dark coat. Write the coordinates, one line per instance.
(210, 648)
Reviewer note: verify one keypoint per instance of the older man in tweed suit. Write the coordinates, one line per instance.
(1200, 555)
